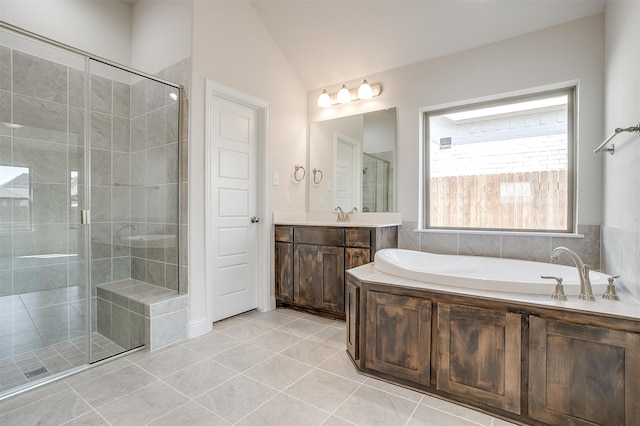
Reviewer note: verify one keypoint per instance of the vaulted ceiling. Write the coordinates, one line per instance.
(329, 42)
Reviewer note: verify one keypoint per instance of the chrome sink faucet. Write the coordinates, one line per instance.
(586, 292)
(342, 215)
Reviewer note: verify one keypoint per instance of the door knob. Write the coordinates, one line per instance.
(255, 219)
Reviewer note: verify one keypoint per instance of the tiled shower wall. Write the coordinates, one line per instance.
(156, 176)
(135, 174)
(49, 143)
(524, 247)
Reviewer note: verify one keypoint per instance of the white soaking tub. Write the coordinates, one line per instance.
(483, 273)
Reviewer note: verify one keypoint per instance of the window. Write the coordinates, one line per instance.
(502, 165)
(15, 199)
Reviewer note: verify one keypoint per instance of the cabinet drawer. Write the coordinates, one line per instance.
(319, 236)
(358, 238)
(284, 234)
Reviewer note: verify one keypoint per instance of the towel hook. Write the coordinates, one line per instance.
(295, 173)
(315, 171)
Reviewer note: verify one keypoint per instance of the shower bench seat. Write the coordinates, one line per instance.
(133, 313)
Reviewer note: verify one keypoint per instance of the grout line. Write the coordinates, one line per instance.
(414, 411)
(92, 408)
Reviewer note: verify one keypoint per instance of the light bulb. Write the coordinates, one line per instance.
(344, 97)
(364, 91)
(324, 100)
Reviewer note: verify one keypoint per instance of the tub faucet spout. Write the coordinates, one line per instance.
(586, 292)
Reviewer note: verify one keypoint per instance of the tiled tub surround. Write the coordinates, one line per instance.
(621, 251)
(133, 313)
(511, 246)
(281, 367)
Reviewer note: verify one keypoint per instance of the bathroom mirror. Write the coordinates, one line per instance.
(352, 163)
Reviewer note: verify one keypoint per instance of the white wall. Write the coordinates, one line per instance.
(160, 34)
(232, 46)
(571, 52)
(102, 28)
(621, 230)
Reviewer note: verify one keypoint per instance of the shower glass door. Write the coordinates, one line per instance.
(43, 297)
(80, 137)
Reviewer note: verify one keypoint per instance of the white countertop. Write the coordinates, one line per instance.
(627, 307)
(357, 219)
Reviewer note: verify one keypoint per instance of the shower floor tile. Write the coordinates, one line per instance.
(16, 370)
(42, 333)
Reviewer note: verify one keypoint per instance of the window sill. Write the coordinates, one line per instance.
(500, 233)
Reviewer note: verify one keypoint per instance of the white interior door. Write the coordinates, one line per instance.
(348, 172)
(232, 257)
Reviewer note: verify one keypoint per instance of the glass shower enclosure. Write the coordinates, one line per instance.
(88, 172)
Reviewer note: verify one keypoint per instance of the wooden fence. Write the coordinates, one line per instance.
(524, 200)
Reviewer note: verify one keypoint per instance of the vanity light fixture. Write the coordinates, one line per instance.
(346, 95)
(324, 100)
(365, 91)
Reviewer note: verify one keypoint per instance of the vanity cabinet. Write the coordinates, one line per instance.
(583, 375)
(319, 277)
(535, 364)
(310, 262)
(479, 355)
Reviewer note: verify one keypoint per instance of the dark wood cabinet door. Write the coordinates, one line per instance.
(356, 257)
(305, 265)
(352, 310)
(479, 355)
(583, 375)
(284, 271)
(398, 336)
(330, 278)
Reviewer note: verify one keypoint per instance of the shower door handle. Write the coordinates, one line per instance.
(85, 217)
(255, 219)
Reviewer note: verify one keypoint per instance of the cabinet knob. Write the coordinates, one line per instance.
(255, 219)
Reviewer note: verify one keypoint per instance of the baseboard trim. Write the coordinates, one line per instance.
(199, 328)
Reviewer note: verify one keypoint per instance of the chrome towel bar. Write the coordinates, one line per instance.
(611, 149)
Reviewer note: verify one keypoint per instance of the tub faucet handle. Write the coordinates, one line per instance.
(610, 292)
(558, 292)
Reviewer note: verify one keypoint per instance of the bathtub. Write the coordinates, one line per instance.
(483, 273)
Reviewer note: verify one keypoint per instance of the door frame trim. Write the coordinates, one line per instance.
(263, 266)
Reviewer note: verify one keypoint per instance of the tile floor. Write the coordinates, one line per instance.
(37, 364)
(43, 333)
(276, 368)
